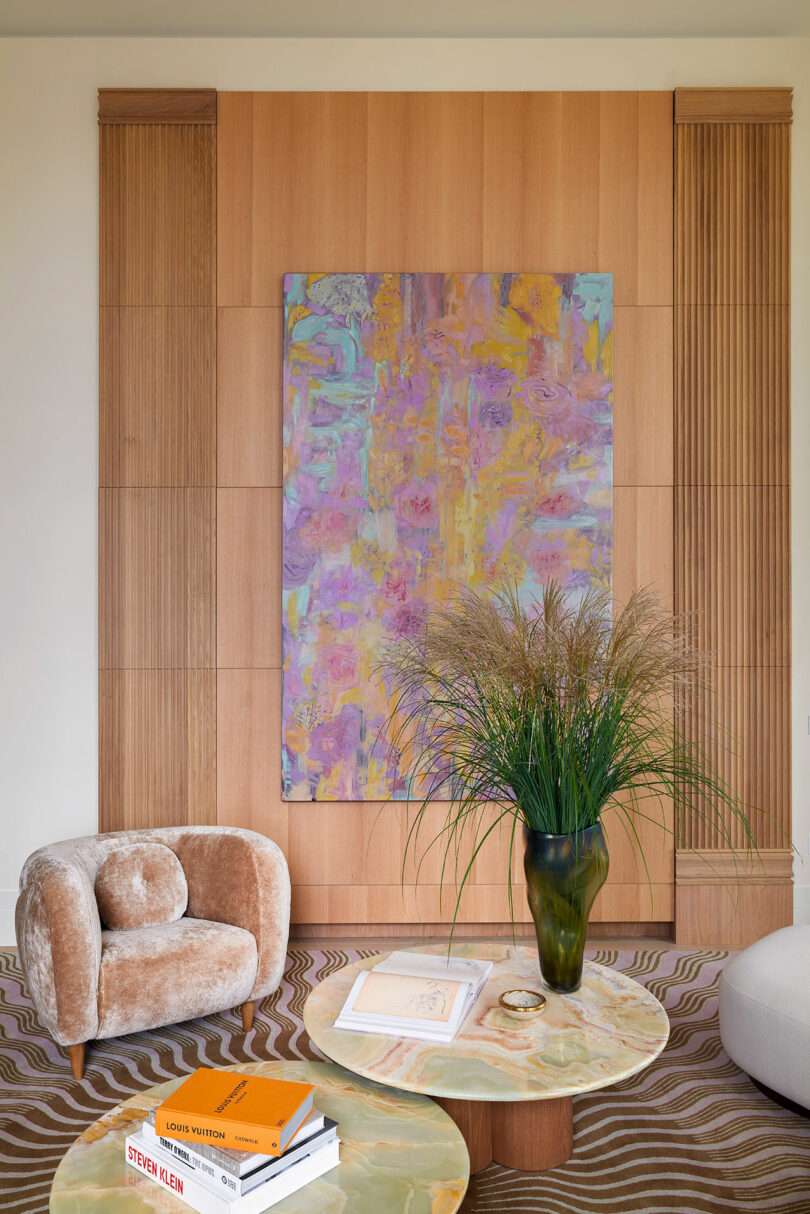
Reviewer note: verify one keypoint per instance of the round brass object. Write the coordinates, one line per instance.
(522, 1002)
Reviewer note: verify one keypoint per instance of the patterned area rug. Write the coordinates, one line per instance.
(690, 1134)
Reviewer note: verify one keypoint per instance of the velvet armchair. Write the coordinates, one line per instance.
(123, 932)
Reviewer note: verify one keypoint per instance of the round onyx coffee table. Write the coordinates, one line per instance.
(507, 1083)
(399, 1153)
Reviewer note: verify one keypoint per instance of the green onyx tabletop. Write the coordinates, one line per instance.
(399, 1153)
(609, 1029)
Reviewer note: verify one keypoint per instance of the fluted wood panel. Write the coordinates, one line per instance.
(157, 396)
(158, 214)
(424, 181)
(733, 393)
(157, 743)
(157, 578)
(732, 473)
(157, 455)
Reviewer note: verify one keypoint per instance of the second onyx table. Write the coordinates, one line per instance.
(507, 1083)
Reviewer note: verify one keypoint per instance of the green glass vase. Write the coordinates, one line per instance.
(564, 873)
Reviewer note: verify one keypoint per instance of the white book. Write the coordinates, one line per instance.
(159, 1166)
(238, 1163)
(422, 995)
(315, 1133)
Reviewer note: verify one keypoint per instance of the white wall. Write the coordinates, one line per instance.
(48, 357)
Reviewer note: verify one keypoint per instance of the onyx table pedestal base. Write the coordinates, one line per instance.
(530, 1135)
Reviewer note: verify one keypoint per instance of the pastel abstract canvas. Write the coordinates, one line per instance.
(439, 430)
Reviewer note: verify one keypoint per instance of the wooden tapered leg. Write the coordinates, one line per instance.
(532, 1135)
(76, 1054)
(248, 1010)
(474, 1119)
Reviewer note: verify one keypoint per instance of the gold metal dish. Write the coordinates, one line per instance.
(522, 1002)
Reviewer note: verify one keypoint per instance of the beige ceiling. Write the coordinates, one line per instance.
(408, 18)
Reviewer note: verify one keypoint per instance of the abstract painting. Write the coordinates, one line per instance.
(439, 429)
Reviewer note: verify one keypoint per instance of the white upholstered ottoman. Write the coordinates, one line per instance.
(765, 1012)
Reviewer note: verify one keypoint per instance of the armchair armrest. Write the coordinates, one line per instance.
(240, 877)
(59, 940)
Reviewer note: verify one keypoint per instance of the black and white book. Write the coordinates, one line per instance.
(146, 1156)
(239, 1172)
(421, 995)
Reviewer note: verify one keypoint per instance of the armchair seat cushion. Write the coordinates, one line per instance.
(152, 976)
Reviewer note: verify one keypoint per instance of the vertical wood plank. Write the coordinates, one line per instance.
(291, 190)
(157, 735)
(157, 396)
(156, 583)
(732, 473)
(249, 578)
(643, 441)
(157, 214)
(248, 753)
(249, 441)
(619, 192)
(424, 181)
(157, 426)
(541, 181)
(656, 167)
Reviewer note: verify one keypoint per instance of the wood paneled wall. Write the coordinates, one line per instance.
(732, 493)
(157, 505)
(423, 181)
(202, 210)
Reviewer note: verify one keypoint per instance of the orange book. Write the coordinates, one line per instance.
(235, 1111)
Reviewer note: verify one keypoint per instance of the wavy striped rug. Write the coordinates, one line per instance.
(688, 1135)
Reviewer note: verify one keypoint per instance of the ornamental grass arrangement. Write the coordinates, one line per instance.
(554, 713)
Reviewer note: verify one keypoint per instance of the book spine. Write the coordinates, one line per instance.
(189, 1190)
(210, 1173)
(232, 1135)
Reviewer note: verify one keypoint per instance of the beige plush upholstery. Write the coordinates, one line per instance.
(229, 947)
(140, 885)
(158, 975)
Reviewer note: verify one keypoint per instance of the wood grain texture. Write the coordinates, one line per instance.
(732, 512)
(722, 866)
(157, 735)
(157, 214)
(497, 931)
(643, 406)
(642, 541)
(249, 363)
(157, 425)
(728, 915)
(424, 178)
(474, 1119)
(76, 1053)
(291, 189)
(732, 204)
(249, 578)
(156, 578)
(546, 208)
(733, 571)
(532, 1135)
(157, 396)
(165, 106)
(749, 750)
(496, 181)
(444, 181)
(368, 903)
(726, 105)
(248, 753)
(733, 391)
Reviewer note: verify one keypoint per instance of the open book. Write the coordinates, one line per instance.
(422, 995)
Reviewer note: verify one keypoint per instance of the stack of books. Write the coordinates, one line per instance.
(421, 995)
(227, 1143)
